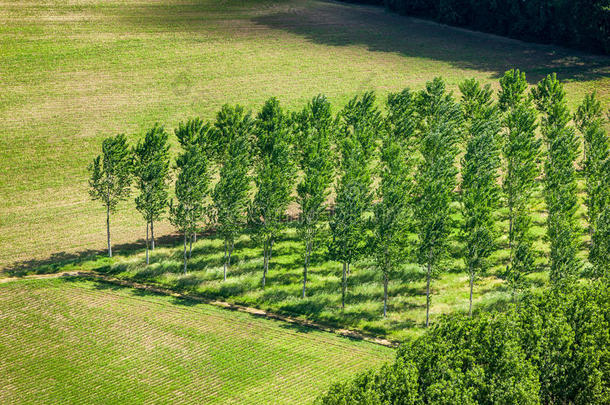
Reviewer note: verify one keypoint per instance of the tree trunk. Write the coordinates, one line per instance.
(225, 263)
(108, 230)
(385, 293)
(152, 235)
(195, 236)
(307, 253)
(190, 246)
(270, 249)
(265, 262)
(147, 262)
(343, 286)
(231, 246)
(471, 285)
(428, 276)
(185, 252)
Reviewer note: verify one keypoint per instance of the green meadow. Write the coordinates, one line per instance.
(72, 73)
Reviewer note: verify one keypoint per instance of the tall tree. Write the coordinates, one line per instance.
(195, 132)
(394, 194)
(521, 153)
(190, 189)
(151, 171)
(231, 193)
(560, 179)
(480, 192)
(436, 177)
(315, 132)
(111, 177)
(590, 123)
(359, 124)
(274, 177)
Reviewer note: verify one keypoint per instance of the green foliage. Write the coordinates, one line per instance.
(600, 245)
(392, 211)
(197, 132)
(275, 171)
(359, 124)
(590, 123)
(436, 176)
(231, 193)
(315, 131)
(560, 179)
(521, 153)
(554, 348)
(151, 173)
(190, 189)
(110, 176)
(480, 193)
(578, 23)
(111, 172)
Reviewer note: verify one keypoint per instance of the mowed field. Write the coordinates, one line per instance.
(73, 72)
(87, 342)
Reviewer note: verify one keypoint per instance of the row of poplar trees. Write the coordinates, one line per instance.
(381, 184)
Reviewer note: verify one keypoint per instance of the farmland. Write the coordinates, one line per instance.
(73, 73)
(76, 341)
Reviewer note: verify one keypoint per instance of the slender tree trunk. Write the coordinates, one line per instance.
(147, 262)
(265, 262)
(428, 276)
(225, 263)
(346, 276)
(185, 252)
(307, 253)
(108, 230)
(385, 293)
(190, 246)
(343, 286)
(231, 247)
(152, 235)
(471, 285)
(195, 236)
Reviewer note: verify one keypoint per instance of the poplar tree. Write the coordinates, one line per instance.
(190, 189)
(560, 180)
(231, 193)
(111, 177)
(590, 123)
(521, 153)
(392, 211)
(151, 171)
(479, 189)
(436, 177)
(359, 124)
(315, 131)
(274, 177)
(195, 132)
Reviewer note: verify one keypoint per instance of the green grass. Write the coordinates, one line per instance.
(87, 342)
(75, 72)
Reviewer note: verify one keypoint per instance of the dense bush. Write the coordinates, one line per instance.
(577, 23)
(552, 348)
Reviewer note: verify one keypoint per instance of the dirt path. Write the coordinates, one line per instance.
(234, 307)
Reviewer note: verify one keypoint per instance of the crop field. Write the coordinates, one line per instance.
(74, 72)
(87, 342)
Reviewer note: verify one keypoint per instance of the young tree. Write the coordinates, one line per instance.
(203, 135)
(560, 180)
(275, 173)
(231, 193)
(315, 130)
(521, 153)
(111, 176)
(479, 189)
(590, 123)
(391, 212)
(191, 188)
(358, 132)
(436, 177)
(151, 171)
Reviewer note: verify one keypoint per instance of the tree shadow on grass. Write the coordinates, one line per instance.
(336, 24)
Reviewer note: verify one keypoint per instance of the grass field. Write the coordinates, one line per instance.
(74, 72)
(86, 342)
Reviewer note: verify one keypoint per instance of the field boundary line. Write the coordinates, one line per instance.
(221, 304)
